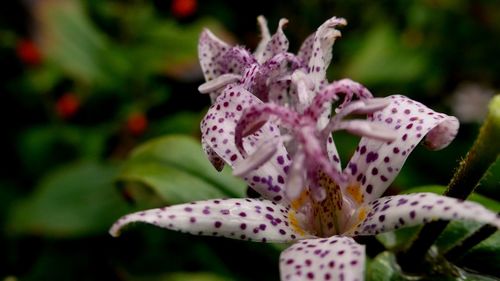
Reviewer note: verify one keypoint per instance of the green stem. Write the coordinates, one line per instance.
(481, 156)
(459, 250)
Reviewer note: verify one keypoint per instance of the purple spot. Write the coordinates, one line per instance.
(412, 214)
(371, 156)
(353, 168)
(280, 160)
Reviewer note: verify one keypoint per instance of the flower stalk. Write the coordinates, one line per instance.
(483, 233)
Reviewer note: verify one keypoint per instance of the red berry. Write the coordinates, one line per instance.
(67, 105)
(137, 123)
(184, 8)
(28, 52)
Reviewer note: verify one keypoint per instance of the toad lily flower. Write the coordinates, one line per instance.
(321, 230)
(285, 152)
(269, 71)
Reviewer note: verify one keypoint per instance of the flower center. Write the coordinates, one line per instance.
(327, 211)
(322, 218)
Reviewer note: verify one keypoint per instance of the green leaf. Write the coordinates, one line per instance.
(172, 48)
(176, 170)
(77, 200)
(184, 122)
(385, 59)
(70, 40)
(44, 147)
(384, 267)
(485, 257)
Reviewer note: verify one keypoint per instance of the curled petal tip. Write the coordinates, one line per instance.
(115, 230)
(282, 23)
(335, 21)
(342, 21)
(443, 134)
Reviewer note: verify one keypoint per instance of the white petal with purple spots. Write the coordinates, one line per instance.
(394, 212)
(277, 44)
(322, 48)
(265, 38)
(210, 49)
(218, 128)
(376, 163)
(335, 258)
(244, 219)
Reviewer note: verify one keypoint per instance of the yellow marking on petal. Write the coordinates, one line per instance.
(299, 201)
(361, 217)
(354, 191)
(295, 223)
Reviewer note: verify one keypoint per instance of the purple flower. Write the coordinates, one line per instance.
(272, 121)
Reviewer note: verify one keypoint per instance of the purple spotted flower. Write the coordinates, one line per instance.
(272, 122)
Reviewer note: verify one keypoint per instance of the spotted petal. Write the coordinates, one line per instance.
(273, 72)
(214, 159)
(235, 60)
(218, 128)
(334, 258)
(278, 43)
(306, 49)
(210, 50)
(376, 163)
(322, 48)
(245, 219)
(256, 116)
(264, 40)
(394, 212)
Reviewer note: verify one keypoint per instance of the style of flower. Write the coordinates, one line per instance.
(284, 150)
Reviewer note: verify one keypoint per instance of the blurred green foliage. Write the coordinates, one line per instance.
(100, 117)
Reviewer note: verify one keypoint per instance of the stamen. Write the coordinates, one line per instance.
(367, 129)
(295, 181)
(304, 86)
(372, 105)
(259, 157)
(218, 83)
